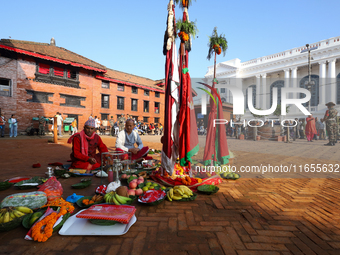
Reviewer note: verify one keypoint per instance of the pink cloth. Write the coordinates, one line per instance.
(310, 128)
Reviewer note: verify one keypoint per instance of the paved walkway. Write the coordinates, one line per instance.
(247, 216)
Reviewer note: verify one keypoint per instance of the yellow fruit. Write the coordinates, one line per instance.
(168, 196)
(18, 214)
(23, 209)
(6, 217)
(176, 197)
(171, 193)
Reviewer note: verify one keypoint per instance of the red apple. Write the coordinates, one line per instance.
(140, 181)
(132, 185)
(132, 192)
(139, 192)
(124, 176)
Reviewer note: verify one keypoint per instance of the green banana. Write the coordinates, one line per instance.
(121, 199)
(115, 200)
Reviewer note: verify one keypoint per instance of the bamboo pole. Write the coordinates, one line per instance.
(55, 130)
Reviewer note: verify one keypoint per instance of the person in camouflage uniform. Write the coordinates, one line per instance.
(331, 124)
(121, 122)
(112, 123)
(42, 123)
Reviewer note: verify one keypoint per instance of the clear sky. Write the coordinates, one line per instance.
(128, 35)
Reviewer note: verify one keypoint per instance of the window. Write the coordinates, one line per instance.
(57, 75)
(157, 107)
(120, 103)
(72, 101)
(5, 87)
(146, 106)
(39, 97)
(105, 101)
(222, 90)
(146, 92)
(104, 116)
(58, 71)
(105, 84)
(134, 104)
(43, 68)
(120, 87)
(157, 94)
(145, 119)
(134, 90)
(156, 120)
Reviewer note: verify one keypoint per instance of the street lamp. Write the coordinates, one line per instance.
(309, 83)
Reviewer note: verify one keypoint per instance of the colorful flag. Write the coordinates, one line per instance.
(170, 138)
(188, 136)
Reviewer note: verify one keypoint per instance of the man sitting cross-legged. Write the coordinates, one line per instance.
(127, 139)
(84, 147)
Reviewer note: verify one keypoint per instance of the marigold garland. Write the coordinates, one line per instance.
(43, 230)
(186, 180)
(184, 36)
(60, 202)
(199, 180)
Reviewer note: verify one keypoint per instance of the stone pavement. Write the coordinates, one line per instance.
(248, 216)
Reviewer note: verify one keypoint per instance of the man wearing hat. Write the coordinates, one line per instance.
(121, 122)
(331, 125)
(84, 148)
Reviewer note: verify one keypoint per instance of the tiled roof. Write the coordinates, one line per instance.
(130, 78)
(51, 51)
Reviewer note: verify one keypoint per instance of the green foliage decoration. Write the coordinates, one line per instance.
(189, 28)
(217, 39)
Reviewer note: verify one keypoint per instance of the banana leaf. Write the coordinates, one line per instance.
(208, 189)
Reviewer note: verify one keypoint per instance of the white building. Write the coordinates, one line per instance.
(285, 69)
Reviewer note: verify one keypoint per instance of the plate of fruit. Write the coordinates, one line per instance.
(88, 201)
(152, 197)
(230, 176)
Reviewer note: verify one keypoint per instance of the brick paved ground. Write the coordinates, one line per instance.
(247, 216)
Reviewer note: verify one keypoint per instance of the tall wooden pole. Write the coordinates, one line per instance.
(214, 70)
(55, 130)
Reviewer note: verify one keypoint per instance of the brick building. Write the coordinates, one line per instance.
(42, 79)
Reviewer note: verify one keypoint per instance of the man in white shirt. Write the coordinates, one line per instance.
(60, 121)
(127, 139)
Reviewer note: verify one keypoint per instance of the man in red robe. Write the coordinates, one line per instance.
(310, 128)
(84, 148)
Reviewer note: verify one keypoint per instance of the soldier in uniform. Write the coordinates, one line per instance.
(121, 122)
(112, 123)
(331, 125)
(42, 123)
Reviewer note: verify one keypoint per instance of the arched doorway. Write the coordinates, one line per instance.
(277, 84)
(314, 101)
